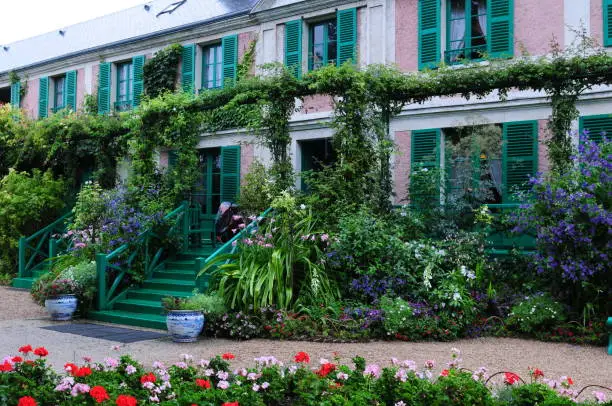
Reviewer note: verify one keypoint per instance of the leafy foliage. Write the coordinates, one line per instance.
(161, 71)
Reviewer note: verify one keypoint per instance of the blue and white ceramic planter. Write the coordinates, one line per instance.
(185, 325)
(61, 308)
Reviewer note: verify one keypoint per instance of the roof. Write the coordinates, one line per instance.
(130, 24)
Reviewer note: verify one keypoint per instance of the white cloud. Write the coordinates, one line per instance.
(21, 19)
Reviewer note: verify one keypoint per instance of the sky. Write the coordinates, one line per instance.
(21, 19)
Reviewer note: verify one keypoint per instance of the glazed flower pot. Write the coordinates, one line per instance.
(62, 307)
(185, 325)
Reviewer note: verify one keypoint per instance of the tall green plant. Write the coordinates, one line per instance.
(280, 265)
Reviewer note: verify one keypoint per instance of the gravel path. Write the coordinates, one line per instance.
(21, 321)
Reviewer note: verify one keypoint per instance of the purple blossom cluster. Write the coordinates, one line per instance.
(571, 215)
(371, 288)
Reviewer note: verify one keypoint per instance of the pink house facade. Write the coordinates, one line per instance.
(101, 58)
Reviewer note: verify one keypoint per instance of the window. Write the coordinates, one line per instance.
(322, 48)
(466, 30)
(125, 78)
(59, 93)
(212, 67)
(473, 163)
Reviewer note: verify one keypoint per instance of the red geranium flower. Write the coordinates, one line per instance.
(81, 372)
(302, 357)
(17, 359)
(126, 400)
(41, 352)
(148, 378)
(203, 383)
(27, 401)
(537, 373)
(570, 381)
(228, 356)
(231, 404)
(99, 394)
(71, 368)
(29, 362)
(326, 369)
(511, 378)
(6, 367)
(444, 372)
(25, 349)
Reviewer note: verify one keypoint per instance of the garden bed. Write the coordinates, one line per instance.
(26, 379)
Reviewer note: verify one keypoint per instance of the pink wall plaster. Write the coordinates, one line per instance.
(401, 166)
(95, 69)
(543, 136)
(317, 103)
(597, 21)
(535, 25)
(247, 156)
(406, 35)
(244, 40)
(80, 90)
(30, 101)
(163, 159)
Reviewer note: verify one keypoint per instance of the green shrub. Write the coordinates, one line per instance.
(257, 191)
(536, 313)
(27, 203)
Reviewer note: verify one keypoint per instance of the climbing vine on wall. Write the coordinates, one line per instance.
(161, 71)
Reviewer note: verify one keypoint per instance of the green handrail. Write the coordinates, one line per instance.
(106, 295)
(229, 247)
(42, 246)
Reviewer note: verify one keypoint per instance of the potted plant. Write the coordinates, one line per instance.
(58, 295)
(184, 319)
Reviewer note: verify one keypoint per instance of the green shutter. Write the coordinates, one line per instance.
(230, 59)
(188, 68)
(500, 28)
(230, 173)
(104, 88)
(347, 36)
(293, 47)
(16, 94)
(172, 158)
(607, 23)
(138, 82)
(520, 157)
(70, 91)
(425, 153)
(429, 33)
(43, 97)
(597, 126)
(425, 148)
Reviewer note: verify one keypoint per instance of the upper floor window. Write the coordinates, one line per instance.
(59, 92)
(466, 30)
(212, 67)
(323, 49)
(125, 78)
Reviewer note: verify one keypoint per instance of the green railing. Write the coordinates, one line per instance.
(502, 241)
(113, 268)
(229, 247)
(40, 248)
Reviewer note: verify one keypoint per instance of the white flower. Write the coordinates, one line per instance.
(265, 385)
(457, 296)
(130, 369)
(186, 357)
(209, 372)
(302, 206)
(223, 384)
(255, 387)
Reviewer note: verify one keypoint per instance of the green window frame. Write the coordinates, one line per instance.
(471, 46)
(322, 43)
(212, 66)
(125, 80)
(59, 93)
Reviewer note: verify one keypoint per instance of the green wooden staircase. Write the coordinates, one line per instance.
(141, 305)
(175, 276)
